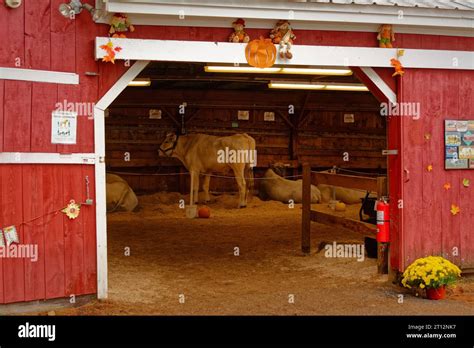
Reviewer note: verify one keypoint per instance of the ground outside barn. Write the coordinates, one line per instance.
(172, 255)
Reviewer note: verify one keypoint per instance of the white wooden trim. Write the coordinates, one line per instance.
(121, 84)
(99, 141)
(256, 23)
(46, 158)
(39, 76)
(380, 83)
(298, 11)
(233, 53)
(101, 204)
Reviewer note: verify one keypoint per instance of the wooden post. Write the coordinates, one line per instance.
(382, 248)
(306, 216)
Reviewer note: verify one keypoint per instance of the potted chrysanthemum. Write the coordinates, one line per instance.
(432, 273)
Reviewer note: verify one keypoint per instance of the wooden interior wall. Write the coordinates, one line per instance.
(314, 133)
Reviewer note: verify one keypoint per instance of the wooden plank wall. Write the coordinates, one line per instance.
(36, 36)
(321, 135)
(429, 227)
(66, 248)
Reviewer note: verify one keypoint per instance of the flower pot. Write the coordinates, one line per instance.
(436, 294)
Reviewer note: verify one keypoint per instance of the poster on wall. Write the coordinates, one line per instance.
(459, 144)
(63, 127)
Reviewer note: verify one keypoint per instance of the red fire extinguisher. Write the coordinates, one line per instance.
(383, 220)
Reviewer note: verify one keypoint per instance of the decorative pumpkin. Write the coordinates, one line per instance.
(204, 212)
(261, 53)
(340, 206)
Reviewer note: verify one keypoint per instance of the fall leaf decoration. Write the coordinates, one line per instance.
(261, 53)
(447, 186)
(427, 136)
(111, 50)
(466, 182)
(429, 168)
(72, 210)
(455, 209)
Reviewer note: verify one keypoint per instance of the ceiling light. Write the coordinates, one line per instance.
(286, 85)
(310, 86)
(75, 7)
(140, 83)
(282, 70)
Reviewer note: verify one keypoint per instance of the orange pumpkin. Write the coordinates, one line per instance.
(204, 212)
(261, 53)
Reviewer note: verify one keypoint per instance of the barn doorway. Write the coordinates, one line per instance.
(158, 256)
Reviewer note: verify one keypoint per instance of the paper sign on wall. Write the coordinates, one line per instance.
(63, 127)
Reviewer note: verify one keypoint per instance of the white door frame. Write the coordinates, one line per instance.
(99, 141)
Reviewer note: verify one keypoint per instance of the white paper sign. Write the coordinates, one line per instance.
(64, 127)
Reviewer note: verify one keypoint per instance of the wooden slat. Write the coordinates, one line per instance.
(54, 229)
(44, 98)
(344, 222)
(12, 49)
(37, 35)
(86, 30)
(347, 181)
(451, 228)
(466, 194)
(90, 245)
(12, 197)
(73, 186)
(34, 232)
(17, 117)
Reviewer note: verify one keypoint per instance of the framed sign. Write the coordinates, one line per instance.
(63, 127)
(459, 144)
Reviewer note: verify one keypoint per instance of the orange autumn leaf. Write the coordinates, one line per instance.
(429, 168)
(447, 186)
(455, 209)
(427, 136)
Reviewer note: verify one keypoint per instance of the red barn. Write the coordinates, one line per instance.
(49, 61)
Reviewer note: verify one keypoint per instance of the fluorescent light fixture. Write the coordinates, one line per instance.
(285, 85)
(140, 83)
(310, 86)
(295, 71)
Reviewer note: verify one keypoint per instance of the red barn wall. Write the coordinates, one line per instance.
(36, 36)
(429, 227)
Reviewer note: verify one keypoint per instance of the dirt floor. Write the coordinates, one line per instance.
(174, 258)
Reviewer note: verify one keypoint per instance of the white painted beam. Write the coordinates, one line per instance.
(380, 84)
(232, 53)
(39, 76)
(100, 176)
(297, 11)
(121, 84)
(46, 158)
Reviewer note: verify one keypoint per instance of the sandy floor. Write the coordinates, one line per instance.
(172, 256)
